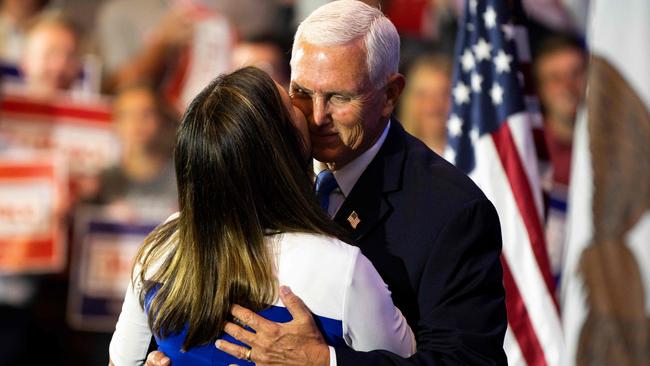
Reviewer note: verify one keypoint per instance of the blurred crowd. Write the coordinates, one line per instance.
(142, 60)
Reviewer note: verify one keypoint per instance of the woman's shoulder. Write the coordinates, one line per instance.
(318, 268)
(315, 258)
(316, 245)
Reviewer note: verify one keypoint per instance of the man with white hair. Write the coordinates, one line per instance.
(430, 232)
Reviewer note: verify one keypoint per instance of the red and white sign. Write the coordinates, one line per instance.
(31, 236)
(79, 128)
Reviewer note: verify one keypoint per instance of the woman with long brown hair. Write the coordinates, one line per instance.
(248, 223)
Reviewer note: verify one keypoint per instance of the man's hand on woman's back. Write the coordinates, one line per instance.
(157, 358)
(298, 342)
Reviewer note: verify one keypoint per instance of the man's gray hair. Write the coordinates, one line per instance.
(343, 21)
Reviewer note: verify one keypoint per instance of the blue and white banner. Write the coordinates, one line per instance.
(104, 250)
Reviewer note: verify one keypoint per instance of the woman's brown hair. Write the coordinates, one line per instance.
(241, 175)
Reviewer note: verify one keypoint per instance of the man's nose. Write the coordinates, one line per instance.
(321, 116)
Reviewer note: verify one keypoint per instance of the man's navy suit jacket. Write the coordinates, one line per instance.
(435, 239)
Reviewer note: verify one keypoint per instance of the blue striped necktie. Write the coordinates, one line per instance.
(325, 184)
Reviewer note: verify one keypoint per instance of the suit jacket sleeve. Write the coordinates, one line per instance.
(461, 297)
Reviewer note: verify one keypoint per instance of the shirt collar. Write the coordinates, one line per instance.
(347, 176)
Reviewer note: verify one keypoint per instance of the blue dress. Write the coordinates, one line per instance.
(208, 354)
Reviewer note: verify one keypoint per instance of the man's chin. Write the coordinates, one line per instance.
(335, 157)
(325, 140)
(326, 154)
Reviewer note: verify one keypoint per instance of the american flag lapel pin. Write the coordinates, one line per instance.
(354, 219)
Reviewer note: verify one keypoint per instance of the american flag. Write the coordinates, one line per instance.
(354, 220)
(490, 139)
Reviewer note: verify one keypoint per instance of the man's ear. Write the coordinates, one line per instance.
(394, 88)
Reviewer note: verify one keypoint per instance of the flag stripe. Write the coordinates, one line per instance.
(520, 188)
(520, 129)
(512, 349)
(519, 320)
(518, 252)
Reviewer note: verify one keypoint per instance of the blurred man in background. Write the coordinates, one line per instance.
(559, 70)
(427, 100)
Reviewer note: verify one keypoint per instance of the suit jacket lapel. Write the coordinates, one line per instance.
(368, 204)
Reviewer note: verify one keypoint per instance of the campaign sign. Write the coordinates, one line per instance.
(209, 56)
(79, 128)
(31, 235)
(101, 269)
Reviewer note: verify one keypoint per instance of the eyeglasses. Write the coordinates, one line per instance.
(337, 100)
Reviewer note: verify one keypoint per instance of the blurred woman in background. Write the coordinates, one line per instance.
(142, 185)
